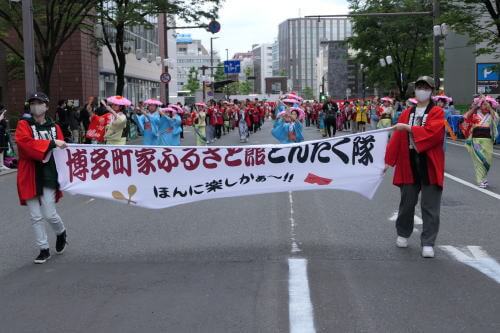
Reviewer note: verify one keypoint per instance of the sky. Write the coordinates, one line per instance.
(248, 22)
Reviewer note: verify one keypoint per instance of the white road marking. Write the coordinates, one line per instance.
(463, 146)
(478, 259)
(293, 236)
(394, 217)
(466, 183)
(300, 309)
(90, 200)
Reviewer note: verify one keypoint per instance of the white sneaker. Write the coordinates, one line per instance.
(402, 242)
(428, 252)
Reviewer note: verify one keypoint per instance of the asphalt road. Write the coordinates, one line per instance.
(322, 261)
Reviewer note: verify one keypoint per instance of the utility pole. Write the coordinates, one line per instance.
(436, 54)
(29, 48)
(165, 41)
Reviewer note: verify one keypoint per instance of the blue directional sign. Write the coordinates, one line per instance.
(487, 72)
(232, 67)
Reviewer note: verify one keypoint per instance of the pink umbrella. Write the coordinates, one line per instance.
(153, 101)
(413, 101)
(294, 96)
(301, 112)
(387, 99)
(119, 100)
(177, 108)
(201, 104)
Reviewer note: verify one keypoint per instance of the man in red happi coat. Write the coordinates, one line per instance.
(416, 151)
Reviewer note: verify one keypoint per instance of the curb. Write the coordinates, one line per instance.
(8, 172)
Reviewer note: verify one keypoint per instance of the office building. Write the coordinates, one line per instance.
(192, 53)
(262, 66)
(299, 44)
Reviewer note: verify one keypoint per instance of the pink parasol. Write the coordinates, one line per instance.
(387, 99)
(119, 100)
(301, 112)
(169, 109)
(153, 101)
(201, 104)
(294, 96)
(413, 101)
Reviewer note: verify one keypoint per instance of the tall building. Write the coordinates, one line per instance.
(299, 43)
(246, 62)
(192, 53)
(262, 66)
(276, 58)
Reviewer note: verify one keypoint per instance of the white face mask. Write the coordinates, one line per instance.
(423, 95)
(38, 109)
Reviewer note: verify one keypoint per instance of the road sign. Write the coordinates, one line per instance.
(232, 67)
(213, 27)
(487, 72)
(165, 78)
(488, 75)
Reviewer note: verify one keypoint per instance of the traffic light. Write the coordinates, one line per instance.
(322, 97)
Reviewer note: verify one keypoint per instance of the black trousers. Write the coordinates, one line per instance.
(218, 131)
(331, 126)
(430, 205)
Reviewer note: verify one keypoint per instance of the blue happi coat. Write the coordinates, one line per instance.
(170, 131)
(281, 131)
(149, 126)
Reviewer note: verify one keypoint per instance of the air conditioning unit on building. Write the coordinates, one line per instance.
(158, 61)
(138, 54)
(150, 57)
(127, 47)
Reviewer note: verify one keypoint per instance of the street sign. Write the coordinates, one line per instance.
(232, 67)
(488, 75)
(165, 78)
(213, 27)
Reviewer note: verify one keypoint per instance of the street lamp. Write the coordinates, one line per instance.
(212, 55)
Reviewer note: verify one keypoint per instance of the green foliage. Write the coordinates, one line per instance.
(246, 87)
(126, 14)
(233, 88)
(467, 17)
(308, 93)
(219, 73)
(15, 66)
(193, 83)
(407, 39)
(54, 21)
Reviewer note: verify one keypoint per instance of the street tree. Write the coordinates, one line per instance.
(478, 19)
(246, 86)
(308, 93)
(54, 21)
(116, 16)
(406, 39)
(219, 74)
(193, 83)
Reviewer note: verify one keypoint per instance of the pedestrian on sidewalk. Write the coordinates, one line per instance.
(416, 150)
(4, 138)
(481, 129)
(37, 183)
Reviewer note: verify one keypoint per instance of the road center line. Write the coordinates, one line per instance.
(293, 235)
(466, 183)
(475, 257)
(299, 299)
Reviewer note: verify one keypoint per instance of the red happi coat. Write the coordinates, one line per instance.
(31, 151)
(428, 139)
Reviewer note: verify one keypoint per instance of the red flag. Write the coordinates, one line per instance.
(314, 179)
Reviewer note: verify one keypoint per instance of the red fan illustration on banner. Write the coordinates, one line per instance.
(314, 179)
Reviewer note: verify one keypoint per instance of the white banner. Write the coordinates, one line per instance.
(160, 177)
